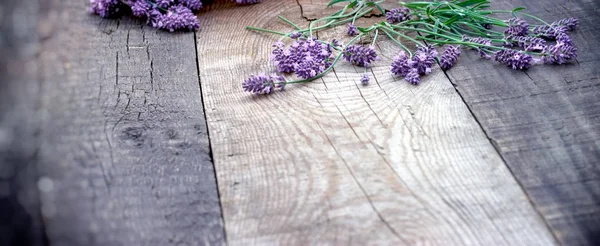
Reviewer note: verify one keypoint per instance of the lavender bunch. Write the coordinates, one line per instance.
(170, 15)
(454, 24)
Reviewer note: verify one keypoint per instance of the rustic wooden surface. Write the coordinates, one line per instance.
(333, 162)
(20, 222)
(103, 138)
(124, 150)
(545, 122)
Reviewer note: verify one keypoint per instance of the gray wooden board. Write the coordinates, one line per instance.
(20, 222)
(124, 157)
(545, 122)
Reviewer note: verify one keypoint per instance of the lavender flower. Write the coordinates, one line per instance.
(528, 43)
(397, 15)
(569, 23)
(335, 43)
(483, 52)
(140, 8)
(177, 17)
(516, 27)
(449, 57)
(307, 58)
(352, 30)
(559, 53)
(424, 58)
(359, 55)
(550, 32)
(108, 8)
(565, 39)
(364, 79)
(513, 59)
(263, 84)
(402, 64)
(163, 3)
(193, 5)
(296, 35)
(413, 76)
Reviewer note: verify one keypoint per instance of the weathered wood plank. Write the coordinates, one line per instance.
(545, 122)
(124, 140)
(333, 162)
(20, 221)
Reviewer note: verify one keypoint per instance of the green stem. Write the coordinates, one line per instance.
(398, 42)
(375, 38)
(289, 22)
(404, 36)
(265, 30)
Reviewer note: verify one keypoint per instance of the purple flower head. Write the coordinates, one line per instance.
(550, 32)
(516, 27)
(108, 8)
(359, 55)
(397, 15)
(335, 43)
(413, 77)
(569, 23)
(565, 39)
(309, 67)
(424, 58)
(245, 2)
(559, 53)
(449, 57)
(177, 17)
(402, 64)
(528, 43)
(263, 84)
(483, 52)
(163, 3)
(295, 35)
(352, 30)
(514, 59)
(140, 8)
(364, 79)
(193, 5)
(307, 58)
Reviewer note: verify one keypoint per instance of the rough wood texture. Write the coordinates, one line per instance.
(333, 162)
(545, 122)
(124, 152)
(20, 221)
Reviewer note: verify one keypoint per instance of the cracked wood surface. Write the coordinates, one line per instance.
(333, 162)
(124, 146)
(20, 222)
(545, 122)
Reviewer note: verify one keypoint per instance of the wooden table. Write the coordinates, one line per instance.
(113, 133)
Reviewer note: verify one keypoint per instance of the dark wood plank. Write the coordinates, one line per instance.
(124, 146)
(545, 122)
(20, 221)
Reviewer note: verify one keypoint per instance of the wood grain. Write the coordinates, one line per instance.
(124, 147)
(333, 162)
(545, 122)
(20, 221)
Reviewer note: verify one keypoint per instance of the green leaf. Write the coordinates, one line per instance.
(518, 9)
(362, 29)
(470, 2)
(352, 4)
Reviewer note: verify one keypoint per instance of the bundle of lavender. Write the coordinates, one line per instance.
(171, 15)
(456, 24)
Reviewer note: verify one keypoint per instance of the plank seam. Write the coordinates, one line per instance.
(210, 150)
(497, 149)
